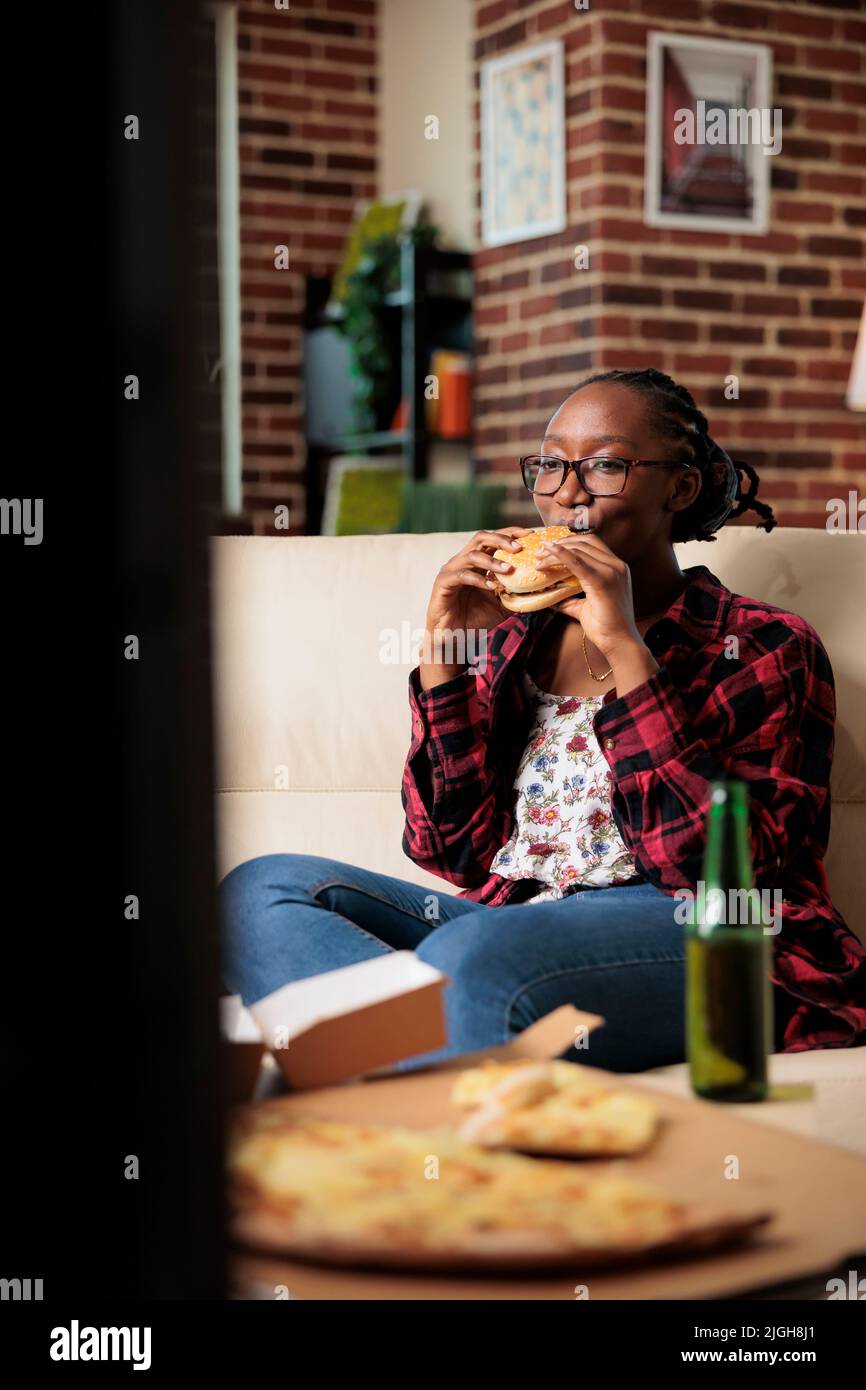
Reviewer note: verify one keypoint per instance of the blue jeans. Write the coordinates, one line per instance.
(617, 952)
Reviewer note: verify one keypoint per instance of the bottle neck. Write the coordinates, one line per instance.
(727, 867)
(728, 855)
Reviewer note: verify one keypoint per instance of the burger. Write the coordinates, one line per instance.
(526, 588)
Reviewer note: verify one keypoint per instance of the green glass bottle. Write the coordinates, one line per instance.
(729, 1004)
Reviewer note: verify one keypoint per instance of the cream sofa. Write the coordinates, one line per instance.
(312, 652)
(313, 645)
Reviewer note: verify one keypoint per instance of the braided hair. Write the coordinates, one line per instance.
(674, 413)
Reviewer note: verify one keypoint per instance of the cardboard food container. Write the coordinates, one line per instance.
(338, 1025)
(243, 1049)
(704, 1152)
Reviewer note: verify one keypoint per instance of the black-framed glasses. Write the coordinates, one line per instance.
(598, 475)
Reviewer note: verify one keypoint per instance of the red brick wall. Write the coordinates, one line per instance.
(780, 310)
(308, 95)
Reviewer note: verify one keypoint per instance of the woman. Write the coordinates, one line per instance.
(561, 784)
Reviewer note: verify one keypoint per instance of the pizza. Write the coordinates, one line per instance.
(390, 1197)
(551, 1107)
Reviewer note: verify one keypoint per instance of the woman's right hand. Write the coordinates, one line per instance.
(462, 598)
(464, 601)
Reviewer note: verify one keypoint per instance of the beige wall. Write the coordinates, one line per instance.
(426, 71)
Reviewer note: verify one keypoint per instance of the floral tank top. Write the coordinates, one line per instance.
(564, 832)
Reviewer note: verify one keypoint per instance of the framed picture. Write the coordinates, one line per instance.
(711, 133)
(523, 145)
(363, 496)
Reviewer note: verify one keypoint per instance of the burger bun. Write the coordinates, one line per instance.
(526, 589)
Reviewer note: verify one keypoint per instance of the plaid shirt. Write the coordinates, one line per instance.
(765, 715)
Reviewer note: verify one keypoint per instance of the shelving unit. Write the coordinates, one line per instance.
(426, 312)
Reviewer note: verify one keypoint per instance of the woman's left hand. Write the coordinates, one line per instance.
(606, 614)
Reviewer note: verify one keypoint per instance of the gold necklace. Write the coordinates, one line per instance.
(589, 668)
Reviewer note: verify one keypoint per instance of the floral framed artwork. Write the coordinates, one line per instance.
(523, 145)
(711, 133)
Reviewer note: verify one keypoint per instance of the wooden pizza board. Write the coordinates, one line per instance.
(816, 1192)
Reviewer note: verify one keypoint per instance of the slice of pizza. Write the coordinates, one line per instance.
(385, 1196)
(551, 1107)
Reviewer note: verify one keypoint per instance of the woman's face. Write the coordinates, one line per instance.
(608, 419)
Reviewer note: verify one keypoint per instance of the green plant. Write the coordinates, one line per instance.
(376, 275)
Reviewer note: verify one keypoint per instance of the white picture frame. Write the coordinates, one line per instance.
(699, 198)
(523, 119)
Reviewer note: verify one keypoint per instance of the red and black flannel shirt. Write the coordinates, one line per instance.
(765, 715)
